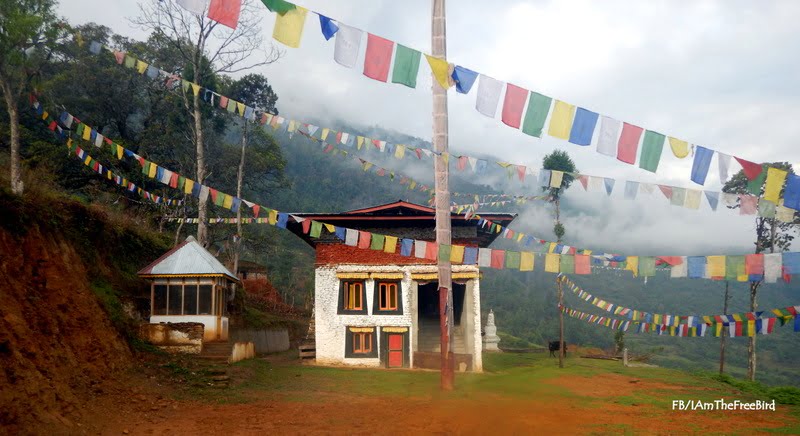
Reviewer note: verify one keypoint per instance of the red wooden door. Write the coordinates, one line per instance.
(395, 350)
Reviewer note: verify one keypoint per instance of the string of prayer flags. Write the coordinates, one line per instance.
(378, 57)
(328, 27)
(225, 12)
(288, 28)
(406, 66)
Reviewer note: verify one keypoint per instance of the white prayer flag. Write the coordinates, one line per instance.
(351, 237)
(419, 249)
(724, 161)
(773, 264)
(607, 138)
(348, 43)
(681, 270)
(484, 257)
(197, 7)
(488, 95)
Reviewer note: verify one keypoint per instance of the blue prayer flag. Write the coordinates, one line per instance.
(235, 205)
(696, 266)
(713, 199)
(544, 178)
(797, 323)
(329, 28)
(583, 127)
(791, 196)
(791, 263)
(480, 166)
(340, 232)
(464, 79)
(609, 185)
(702, 160)
(470, 255)
(196, 190)
(405, 247)
(283, 218)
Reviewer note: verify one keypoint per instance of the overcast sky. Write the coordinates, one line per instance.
(723, 74)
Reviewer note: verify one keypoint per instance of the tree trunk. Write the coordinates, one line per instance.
(239, 178)
(17, 186)
(202, 206)
(751, 345)
(722, 336)
(442, 188)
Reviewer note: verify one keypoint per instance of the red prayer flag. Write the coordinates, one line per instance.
(461, 163)
(513, 105)
(256, 208)
(628, 143)
(431, 251)
(582, 264)
(584, 181)
(671, 260)
(754, 264)
(225, 12)
(378, 57)
(213, 193)
(498, 259)
(363, 238)
(173, 180)
(667, 190)
(307, 226)
(738, 328)
(521, 172)
(751, 169)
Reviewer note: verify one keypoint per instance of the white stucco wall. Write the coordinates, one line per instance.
(330, 325)
(209, 323)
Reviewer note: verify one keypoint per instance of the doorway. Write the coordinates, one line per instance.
(395, 346)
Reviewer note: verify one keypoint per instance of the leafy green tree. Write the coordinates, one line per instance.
(29, 31)
(771, 236)
(559, 160)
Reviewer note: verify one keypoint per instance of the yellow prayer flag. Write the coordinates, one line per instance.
(87, 133)
(187, 187)
(692, 200)
(153, 170)
(775, 179)
(240, 108)
(273, 216)
(679, 148)
(751, 327)
(141, 67)
(561, 120)
(288, 28)
(45, 114)
(120, 151)
(325, 132)
(633, 265)
(389, 244)
(741, 273)
(400, 151)
(556, 177)
(718, 329)
(716, 266)
(195, 88)
(552, 262)
(526, 261)
(457, 254)
(359, 142)
(292, 126)
(441, 70)
(227, 202)
(331, 228)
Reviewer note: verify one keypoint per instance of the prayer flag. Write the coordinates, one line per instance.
(652, 146)
(647, 266)
(607, 138)
(484, 257)
(561, 120)
(498, 259)
(329, 28)
(470, 255)
(609, 185)
(680, 269)
(513, 105)
(377, 242)
(791, 263)
(431, 251)
(751, 169)
(348, 41)
(406, 246)
(772, 267)
(512, 260)
(464, 79)
(678, 196)
(444, 252)
(713, 199)
(632, 265)
(406, 66)
(567, 264)
(457, 254)
(775, 179)
(724, 161)
(390, 245)
(364, 239)
(734, 267)
(628, 143)
(631, 188)
(696, 266)
(692, 200)
(351, 237)
(196, 7)
(552, 262)
(316, 228)
(702, 161)
(679, 148)
(378, 57)
(582, 264)
(225, 12)
(556, 178)
(535, 116)
(583, 127)
(791, 197)
(440, 69)
(288, 28)
(526, 261)
(754, 266)
(488, 95)
(748, 204)
(766, 208)
(278, 6)
(716, 267)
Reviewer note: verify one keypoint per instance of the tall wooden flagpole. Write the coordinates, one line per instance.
(440, 165)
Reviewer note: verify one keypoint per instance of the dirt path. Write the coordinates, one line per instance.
(590, 405)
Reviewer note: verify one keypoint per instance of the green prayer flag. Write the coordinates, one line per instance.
(130, 62)
(732, 266)
(377, 242)
(538, 107)
(766, 208)
(652, 145)
(512, 259)
(231, 105)
(316, 230)
(754, 186)
(280, 7)
(406, 66)
(444, 252)
(647, 266)
(146, 167)
(220, 199)
(79, 129)
(567, 264)
(181, 182)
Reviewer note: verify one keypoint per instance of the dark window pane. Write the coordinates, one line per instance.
(205, 300)
(174, 299)
(190, 300)
(160, 300)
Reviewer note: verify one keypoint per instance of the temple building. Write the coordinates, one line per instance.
(380, 308)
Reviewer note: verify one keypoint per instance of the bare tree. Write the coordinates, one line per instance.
(207, 49)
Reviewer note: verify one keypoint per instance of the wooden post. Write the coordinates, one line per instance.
(560, 324)
(722, 336)
(442, 189)
(625, 357)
